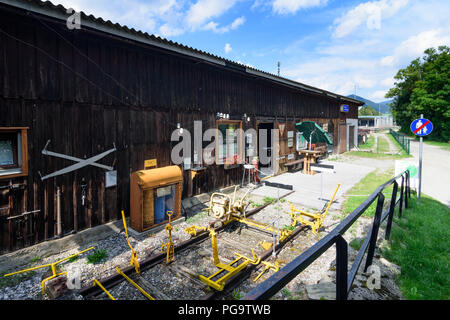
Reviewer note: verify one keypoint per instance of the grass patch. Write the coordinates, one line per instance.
(420, 244)
(383, 145)
(397, 145)
(356, 243)
(237, 295)
(288, 228)
(98, 256)
(197, 217)
(254, 204)
(270, 200)
(442, 145)
(35, 259)
(369, 143)
(15, 279)
(364, 188)
(73, 259)
(373, 155)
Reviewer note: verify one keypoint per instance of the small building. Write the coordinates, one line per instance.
(376, 122)
(105, 99)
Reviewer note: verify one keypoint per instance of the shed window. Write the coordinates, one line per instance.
(230, 150)
(13, 152)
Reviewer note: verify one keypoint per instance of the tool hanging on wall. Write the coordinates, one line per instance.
(83, 191)
(133, 261)
(80, 162)
(170, 247)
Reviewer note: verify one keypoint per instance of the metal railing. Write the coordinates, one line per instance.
(344, 278)
(402, 139)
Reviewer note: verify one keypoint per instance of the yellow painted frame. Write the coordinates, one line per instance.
(53, 268)
(318, 217)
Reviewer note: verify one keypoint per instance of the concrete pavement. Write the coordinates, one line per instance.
(435, 171)
(309, 188)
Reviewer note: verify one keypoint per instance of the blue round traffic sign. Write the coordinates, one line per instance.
(421, 127)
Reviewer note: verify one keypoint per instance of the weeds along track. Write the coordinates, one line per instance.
(179, 280)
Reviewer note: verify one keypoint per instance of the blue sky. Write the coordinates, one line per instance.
(341, 46)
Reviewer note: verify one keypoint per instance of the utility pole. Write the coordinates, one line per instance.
(279, 64)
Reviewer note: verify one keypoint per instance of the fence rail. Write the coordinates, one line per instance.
(344, 278)
(402, 139)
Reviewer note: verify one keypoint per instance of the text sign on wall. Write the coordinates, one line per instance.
(345, 108)
(150, 163)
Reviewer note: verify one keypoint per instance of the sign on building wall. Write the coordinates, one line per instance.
(345, 108)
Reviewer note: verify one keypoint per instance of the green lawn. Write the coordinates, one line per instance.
(398, 145)
(369, 144)
(373, 155)
(420, 245)
(442, 145)
(360, 191)
(383, 145)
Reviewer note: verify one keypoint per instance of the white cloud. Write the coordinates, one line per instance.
(227, 48)
(369, 13)
(166, 17)
(203, 10)
(414, 46)
(167, 30)
(292, 6)
(388, 82)
(216, 29)
(378, 95)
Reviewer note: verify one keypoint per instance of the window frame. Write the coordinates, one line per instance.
(10, 171)
(240, 147)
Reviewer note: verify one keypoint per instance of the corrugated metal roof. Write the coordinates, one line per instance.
(47, 8)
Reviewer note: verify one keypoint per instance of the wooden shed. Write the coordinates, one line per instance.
(67, 96)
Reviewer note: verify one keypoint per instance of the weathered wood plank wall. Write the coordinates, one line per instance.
(86, 92)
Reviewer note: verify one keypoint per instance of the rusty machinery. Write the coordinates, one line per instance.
(298, 216)
(222, 206)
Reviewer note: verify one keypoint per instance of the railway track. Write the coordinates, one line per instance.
(193, 257)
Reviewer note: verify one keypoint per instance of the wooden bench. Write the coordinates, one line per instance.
(294, 165)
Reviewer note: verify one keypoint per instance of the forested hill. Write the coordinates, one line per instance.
(384, 106)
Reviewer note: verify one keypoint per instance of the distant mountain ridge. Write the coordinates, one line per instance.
(382, 107)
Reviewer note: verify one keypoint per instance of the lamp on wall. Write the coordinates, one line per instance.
(180, 130)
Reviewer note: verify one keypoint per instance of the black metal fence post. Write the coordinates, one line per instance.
(406, 189)
(400, 207)
(409, 184)
(391, 210)
(374, 233)
(341, 268)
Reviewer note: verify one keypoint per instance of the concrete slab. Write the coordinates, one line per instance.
(309, 189)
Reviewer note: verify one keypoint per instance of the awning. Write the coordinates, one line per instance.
(318, 134)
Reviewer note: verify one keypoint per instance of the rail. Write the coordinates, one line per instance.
(402, 139)
(344, 278)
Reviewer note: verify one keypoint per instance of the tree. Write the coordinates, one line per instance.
(368, 111)
(423, 87)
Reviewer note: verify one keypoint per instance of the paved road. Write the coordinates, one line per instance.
(435, 171)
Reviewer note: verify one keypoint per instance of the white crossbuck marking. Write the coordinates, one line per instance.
(81, 162)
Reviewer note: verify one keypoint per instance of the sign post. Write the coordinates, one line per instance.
(421, 127)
